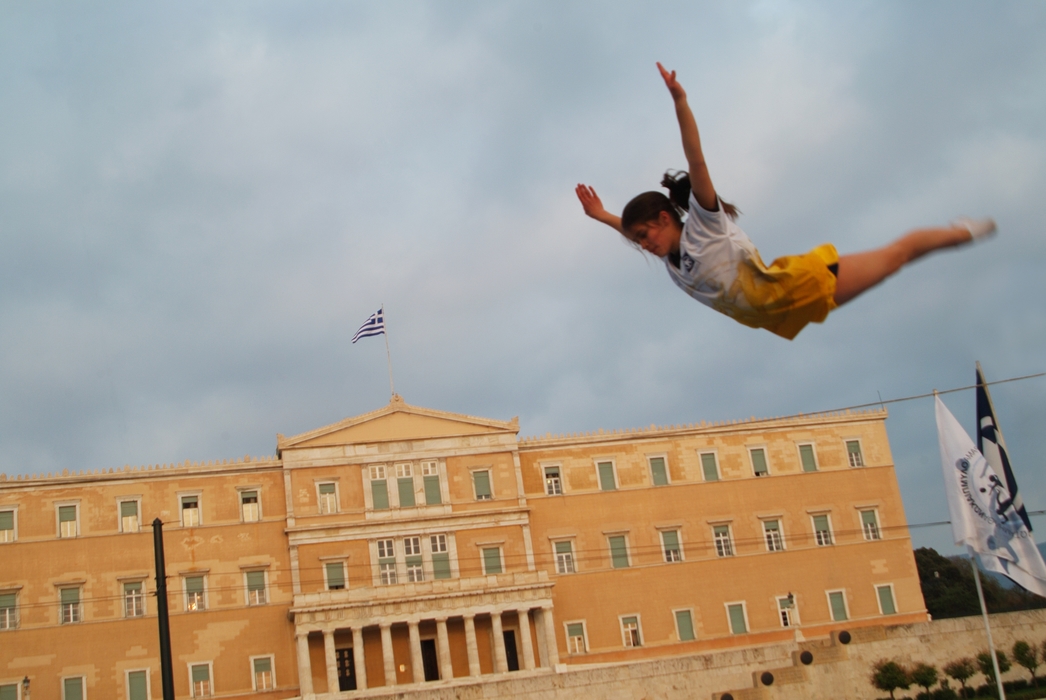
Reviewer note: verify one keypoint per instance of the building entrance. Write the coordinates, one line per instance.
(346, 669)
(429, 659)
(510, 650)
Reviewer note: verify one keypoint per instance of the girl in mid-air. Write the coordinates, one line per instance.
(712, 260)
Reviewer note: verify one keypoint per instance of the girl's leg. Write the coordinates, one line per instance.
(861, 271)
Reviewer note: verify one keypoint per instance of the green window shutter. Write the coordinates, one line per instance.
(263, 665)
(886, 600)
(67, 514)
(250, 496)
(7, 522)
(868, 517)
(70, 596)
(671, 539)
(379, 491)
(7, 600)
(128, 509)
(838, 604)
(136, 682)
(685, 623)
(133, 587)
(9, 692)
(413, 560)
(564, 548)
(335, 575)
(194, 584)
(74, 688)
(806, 454)
(481, 480)
(758, 460)
(658, 472)
(492, 560)
(432, 494)
(326, 489)
(255, 580)
(575, 629)
(821, 522)
(441, 565)
(618, 552)
(606, 476)
(708, 467)
(737, 619)
(201, 672)
(406, 491)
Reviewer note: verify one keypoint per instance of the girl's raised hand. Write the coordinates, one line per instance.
(590, 201)
(674, 88)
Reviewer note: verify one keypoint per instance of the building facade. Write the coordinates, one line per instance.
(410, 546)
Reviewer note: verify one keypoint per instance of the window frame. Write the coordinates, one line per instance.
(693, 627)
(13, 510)
(385, 576)
(792, 612)
(254, 672)
(78, 610)
(139, 600)
(483, 549)
(127, 681)
(198, 495)
(613, 474)
(265, 586)
(557, 484)
(489, 471)
(341, 563)
(714, 454)
(240, 491)
(729, 550)
(626, 640)
(610, 549)
(570, 562)
(751, 459)
(831, 610)
(860, 453)
(320, 497)
(813, 454)
(58, 505)
(781, 545)
(432, 468)
(664, 464)
(405, 476)
(877, 524)
(210, 679)
(831, 530)
(664, 545)
(11, 621)
(879, 601)
(414, 558)
(120, 500)
(83, 686)
(203, 602)
(584, 637)
(744, 613)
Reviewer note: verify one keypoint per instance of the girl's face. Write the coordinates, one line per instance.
(658, 236)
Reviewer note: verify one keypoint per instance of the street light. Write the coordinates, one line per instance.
(25, 688)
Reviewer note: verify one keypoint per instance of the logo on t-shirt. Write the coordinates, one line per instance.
(687, 262)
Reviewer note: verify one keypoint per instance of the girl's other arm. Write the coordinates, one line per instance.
(700, 180)
(593, 206)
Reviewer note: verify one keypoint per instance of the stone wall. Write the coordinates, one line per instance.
(836, 670)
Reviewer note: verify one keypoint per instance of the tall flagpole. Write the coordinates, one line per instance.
(987, 627)
(388, 354)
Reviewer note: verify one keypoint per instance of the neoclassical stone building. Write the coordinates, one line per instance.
(408, 547)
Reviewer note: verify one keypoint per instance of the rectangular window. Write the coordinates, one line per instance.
(576, 638)
(73, 688)
(440, 557)
(822, 530)
(129, 516)
(9, 691)
(68, 523)
(263, 679)
(853, 453)
(607, 482)
(430, 475)
(256, 588)
(481, 484)
(190, 511)
(758, 455)
(670, 546)
(709, 468)
(618, 552)
(8, 611)
(565, 557)
(335, 571)
(201, 680)
(133, 599)
(685, 625)
(412, 551)
(886, 604)
(786, 610)
(387, 561)
(72, 611)
(194, 593)
(772, 535)
(837, 603)
(379, 489)
(630, 631)
(7, 526)
(724, 546)
(137, 685)
(658, 471)
(806, 456)
(870, 525)
(736, 614)
(328, 497)
(553, 482)
(492, 560)
(250, 509)
(405, 490)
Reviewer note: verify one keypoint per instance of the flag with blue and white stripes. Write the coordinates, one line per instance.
(375, 325)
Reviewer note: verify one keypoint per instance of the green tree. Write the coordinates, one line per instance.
(890, 676)
(1027, 656)
(961, 670)
(924, 675)
(949, 591)
(984, 661)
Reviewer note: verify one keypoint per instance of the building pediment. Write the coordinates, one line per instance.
(398, 421)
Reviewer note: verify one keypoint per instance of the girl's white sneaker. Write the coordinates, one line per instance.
(978, 228)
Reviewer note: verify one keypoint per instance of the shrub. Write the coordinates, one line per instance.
(890, 676)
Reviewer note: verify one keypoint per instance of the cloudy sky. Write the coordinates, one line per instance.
(201, 202)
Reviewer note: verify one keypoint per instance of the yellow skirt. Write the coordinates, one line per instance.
(793, 291)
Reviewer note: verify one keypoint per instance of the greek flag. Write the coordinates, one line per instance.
(983, 511)
(375, 325)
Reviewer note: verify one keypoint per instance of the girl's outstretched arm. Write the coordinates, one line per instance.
(700, 180)
(593, 206)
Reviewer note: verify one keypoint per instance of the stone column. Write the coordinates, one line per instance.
(528, 645)
(500, 660)
(471, 646)
(330, 657)
(446, 669)
(417, 666)
(359, 660)
(386, 653)
(304, 667)
(550, 637)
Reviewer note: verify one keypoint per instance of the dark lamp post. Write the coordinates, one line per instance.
(25, 688)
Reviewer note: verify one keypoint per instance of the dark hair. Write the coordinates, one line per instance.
(647, 206)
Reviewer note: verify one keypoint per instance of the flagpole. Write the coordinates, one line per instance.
(987, 627)
(388, 354)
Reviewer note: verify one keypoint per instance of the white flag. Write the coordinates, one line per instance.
(983, 514)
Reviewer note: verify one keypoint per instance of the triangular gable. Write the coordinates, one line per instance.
(395, 422)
